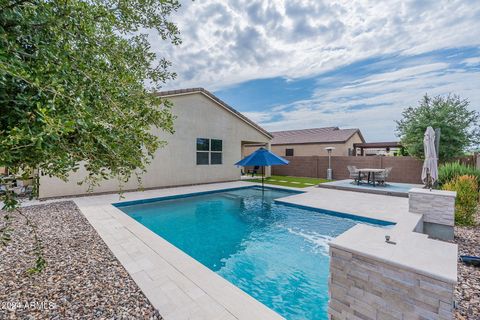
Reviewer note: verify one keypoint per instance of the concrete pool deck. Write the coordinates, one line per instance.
(182, 288)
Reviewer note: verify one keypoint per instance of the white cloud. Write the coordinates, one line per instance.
(229, 42)
(373, 103)
(259, 117)
(472, 61)
(235, 41)
(402, 74)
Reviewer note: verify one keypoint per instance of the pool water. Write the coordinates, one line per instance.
(276, 253)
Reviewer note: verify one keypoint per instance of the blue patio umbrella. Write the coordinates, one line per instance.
(262, 157)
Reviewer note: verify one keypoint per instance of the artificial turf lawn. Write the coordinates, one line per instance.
(286, 181)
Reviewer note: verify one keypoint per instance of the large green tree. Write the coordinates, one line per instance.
(458, 124)
(73, 78)
(73, 88)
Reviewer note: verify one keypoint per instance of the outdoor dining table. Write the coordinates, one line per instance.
(371, 172)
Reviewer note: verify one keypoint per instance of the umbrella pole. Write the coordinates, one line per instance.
(263, 168)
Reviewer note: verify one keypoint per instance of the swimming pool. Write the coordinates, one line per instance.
(276, 253)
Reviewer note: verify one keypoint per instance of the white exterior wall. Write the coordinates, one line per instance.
(197, 117)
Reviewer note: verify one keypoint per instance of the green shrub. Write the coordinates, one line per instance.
(449, 171)
(467, 198)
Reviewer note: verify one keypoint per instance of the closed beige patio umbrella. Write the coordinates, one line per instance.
(429, 169)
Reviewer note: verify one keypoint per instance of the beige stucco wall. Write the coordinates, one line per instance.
(313, 149)
(197, 117)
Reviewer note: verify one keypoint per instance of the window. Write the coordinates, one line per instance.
(203, 148)
(288, 152)
(202, 157)
(203, 144)
(209, 151)
(216, 158)
(216, 145)
(216, 155)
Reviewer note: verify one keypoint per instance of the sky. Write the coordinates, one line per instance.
(293, 64)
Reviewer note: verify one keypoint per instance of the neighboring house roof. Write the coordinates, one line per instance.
(223, 104)
(314, 135)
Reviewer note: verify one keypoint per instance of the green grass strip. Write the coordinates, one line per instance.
(286, 181)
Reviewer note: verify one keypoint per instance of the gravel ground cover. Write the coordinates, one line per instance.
(467, 292)
(82, 280)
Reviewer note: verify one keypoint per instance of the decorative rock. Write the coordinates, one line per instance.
(467, 292)
(82, 279)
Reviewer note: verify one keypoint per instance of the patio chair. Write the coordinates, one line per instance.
(354, 174)
(254, 171)
(381, 178)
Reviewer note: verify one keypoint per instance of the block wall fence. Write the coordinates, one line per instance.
(405, 169)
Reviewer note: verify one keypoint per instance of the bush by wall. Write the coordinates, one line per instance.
(466, 203)
(449, 171)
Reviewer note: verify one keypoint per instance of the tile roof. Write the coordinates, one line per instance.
(217, 100)
(314, 135)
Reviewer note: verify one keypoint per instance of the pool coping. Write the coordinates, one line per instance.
(187, 195)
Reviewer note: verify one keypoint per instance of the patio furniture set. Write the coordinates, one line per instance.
(373, 176)
(16, 184)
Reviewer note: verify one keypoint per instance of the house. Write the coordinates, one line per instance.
(209, 138)
(312, 142)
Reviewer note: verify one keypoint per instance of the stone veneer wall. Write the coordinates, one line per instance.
(437, 206)
(364, 288)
